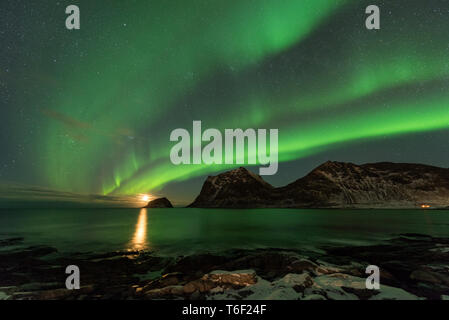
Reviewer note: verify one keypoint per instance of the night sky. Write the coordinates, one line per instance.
(90, 111)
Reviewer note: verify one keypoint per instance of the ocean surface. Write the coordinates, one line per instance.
(183, 231)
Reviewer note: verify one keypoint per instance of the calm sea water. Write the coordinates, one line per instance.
(184, 231)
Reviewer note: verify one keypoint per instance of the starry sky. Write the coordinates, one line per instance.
(90, 111)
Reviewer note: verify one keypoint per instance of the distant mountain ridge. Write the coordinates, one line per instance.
(332, 185)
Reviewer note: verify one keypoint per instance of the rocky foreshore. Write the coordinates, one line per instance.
(412, 267)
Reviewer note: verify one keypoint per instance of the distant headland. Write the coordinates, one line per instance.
(383, 185)
(159, 203)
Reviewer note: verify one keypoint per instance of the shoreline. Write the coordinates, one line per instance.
(413, 266)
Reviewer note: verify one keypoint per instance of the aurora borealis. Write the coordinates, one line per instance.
(91, 110)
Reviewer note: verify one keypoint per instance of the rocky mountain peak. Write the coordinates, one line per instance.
(333, 185)
(224, 189)
(240, 175)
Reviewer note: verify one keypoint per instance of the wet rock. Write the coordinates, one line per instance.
(20, 295)
(328, 269)
(245, 293)
(430, 277)
(199, 285)
(267, 264)
(392, 293)
(135, 290)
(36, 286)
(384, 274)
(331, 286)
(166, 292)
(314, 297)
(299, 266)
(196, 296)
(170, 279)
(239, 278)
(200, 263)
(4, 295)
(362, 294)
(62, 293)
(299, 282)
(421, 275)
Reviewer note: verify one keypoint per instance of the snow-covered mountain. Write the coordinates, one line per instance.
(332, 185)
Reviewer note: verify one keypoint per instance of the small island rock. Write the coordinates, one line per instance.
(159, 203)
